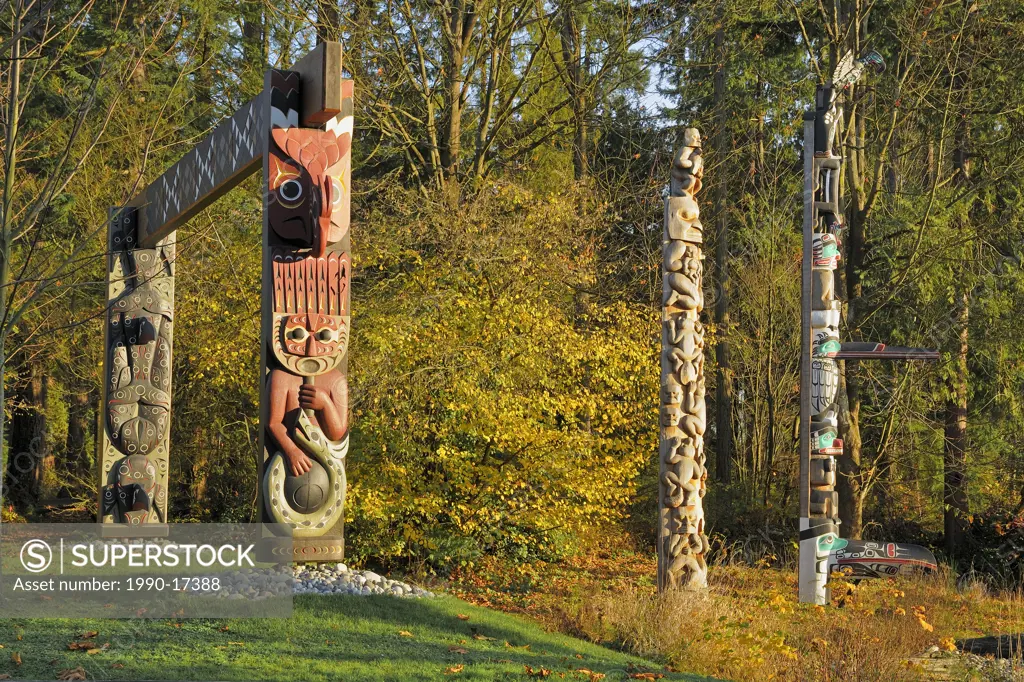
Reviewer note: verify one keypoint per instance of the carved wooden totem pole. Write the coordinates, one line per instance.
(821, 349)
(682, 544)
(134, 445)
(306, 270)
(299, 130)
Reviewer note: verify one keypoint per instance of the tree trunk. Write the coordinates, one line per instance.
(78, 453)
(954, 445)
(253, 54)
(11, 124)
(572, 58)
(954, 450)
(848, 484)
(43, 475)
(723, 377)
(461, 25)
(328, 21)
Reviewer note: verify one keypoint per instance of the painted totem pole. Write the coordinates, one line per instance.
(682, 544)
(306, 268)
(821, 349)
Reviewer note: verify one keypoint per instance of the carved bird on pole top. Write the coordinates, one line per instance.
(850, 70)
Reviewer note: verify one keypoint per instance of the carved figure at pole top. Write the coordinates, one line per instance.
(308, 218)
(682, 543)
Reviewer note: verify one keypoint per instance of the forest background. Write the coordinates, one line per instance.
(510, 160)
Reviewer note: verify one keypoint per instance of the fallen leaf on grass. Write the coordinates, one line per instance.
(453, 669)
(75, 674)
(645, 676)
(539, 672)
(16, 658)
(75, 646)
(524, 647)
(477, 635)
(5, 677)
(118, 666)
(91, 634)
(93, 652)
(405, 633)
(237, 643)
(224, 629)
(462, 616)
(591, 675)
(458, 650)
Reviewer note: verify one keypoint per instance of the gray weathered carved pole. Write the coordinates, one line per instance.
(682, 544)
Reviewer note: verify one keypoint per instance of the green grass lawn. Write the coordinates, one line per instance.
(338, 638)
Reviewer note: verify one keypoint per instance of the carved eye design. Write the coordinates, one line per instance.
(336, 191)
(326, 335)
(290, 192)
(298, 334)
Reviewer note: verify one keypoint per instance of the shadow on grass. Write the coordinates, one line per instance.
(328, 638)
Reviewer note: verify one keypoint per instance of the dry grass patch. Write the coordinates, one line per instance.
(748, 624)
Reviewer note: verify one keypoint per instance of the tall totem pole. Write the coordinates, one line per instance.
(682, 544)
(821, 349)
(306, 272)
(299, 131)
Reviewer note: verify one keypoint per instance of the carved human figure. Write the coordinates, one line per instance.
(683, 347)
(683, 276)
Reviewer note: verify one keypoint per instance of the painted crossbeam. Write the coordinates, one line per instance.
(233, 150)
(229, 154)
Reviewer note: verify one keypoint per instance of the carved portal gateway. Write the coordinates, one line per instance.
(299, 131)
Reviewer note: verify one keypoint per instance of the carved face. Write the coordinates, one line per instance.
(671, 393)
(309, 181)
(310, 344)
(670, 416)
(312, 335)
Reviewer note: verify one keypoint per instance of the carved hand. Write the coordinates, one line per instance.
(313, 397)
(298, 462)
